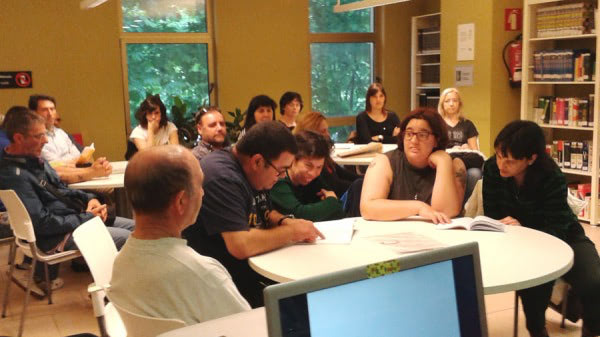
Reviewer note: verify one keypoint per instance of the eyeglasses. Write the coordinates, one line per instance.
(279, 171)
(421, 135)
(39, 136)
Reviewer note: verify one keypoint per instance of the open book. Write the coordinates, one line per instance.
(479, 223)
(336, 231)
(370, 148)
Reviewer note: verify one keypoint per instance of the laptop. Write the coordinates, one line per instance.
(434, 293)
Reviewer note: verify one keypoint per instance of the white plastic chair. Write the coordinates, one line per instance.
(22, 227)
(145, 326)
(99, 251)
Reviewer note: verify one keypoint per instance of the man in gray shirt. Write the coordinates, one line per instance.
(156, 274)
(211, 128)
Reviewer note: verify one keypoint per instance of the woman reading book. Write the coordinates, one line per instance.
(418, 178)
(523, 186)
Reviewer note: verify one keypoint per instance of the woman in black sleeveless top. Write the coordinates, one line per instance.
(418, 178)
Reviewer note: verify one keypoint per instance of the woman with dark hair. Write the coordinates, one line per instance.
(261, 109)
(337, 177)
(418, 178)
(290, 105)
(154, 129)
(376, 124)
(523, 186)
(302, 192)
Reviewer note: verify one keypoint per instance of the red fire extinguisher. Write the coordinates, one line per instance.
(513, 67)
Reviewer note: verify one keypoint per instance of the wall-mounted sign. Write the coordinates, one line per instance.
(463, 76)
(15, 79)
(465, 49)
(513, 19)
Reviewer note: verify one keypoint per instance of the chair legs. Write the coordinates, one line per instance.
(12, 262)
(26, 301)
(48, 285)
(516, 316)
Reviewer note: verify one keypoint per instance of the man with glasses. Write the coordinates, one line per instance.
(55, 210)
(226, 228)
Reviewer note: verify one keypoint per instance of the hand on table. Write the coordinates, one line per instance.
(303, 230)
(101, 167)
(436, 217)
(510, 221)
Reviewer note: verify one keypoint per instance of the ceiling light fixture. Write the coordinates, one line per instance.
(88, 4)
(354, 6)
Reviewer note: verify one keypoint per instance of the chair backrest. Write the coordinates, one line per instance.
(20, 222)
(98, 249)
(145, 326)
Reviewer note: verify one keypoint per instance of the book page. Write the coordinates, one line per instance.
(457, 223)
(336, 231)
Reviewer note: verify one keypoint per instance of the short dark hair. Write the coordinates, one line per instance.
(34, 99)
(523, 139)
(373, 89)
(148, 105)
(20, 121)
(269, 139)
(11, 113)
(255, 103)
(435, 121)
(311, 145)
(152, 188)
(287, 98)
(203, 111)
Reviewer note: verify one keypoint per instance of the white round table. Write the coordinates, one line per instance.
(516, 259)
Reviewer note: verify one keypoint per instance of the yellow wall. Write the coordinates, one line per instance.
(74, 56)
(490, 102)
(260, 46)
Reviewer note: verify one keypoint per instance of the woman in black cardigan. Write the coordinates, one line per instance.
(376, 124)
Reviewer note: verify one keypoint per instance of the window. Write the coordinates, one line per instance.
(167, 48)
(341, 51)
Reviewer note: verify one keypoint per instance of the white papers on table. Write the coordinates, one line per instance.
(406, 242)
(344, 146)
(336, 231)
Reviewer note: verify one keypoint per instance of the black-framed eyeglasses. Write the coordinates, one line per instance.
(421, 135)
(279, 171)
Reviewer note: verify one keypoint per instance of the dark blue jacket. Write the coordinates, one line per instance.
(52, 219)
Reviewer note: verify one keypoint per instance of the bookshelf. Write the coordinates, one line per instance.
(425, 61)
(560, 94)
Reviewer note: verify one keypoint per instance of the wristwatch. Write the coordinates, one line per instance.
(380, 138)
(287, 216)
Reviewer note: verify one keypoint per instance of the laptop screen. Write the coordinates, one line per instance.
(435, 298)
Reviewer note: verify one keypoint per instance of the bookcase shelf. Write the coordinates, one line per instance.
(532, 92)
(425, 61)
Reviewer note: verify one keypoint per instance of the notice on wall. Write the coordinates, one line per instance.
(15, 79)
(465, 49)
(463, 76)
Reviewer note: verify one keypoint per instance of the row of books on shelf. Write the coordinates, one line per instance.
(567, 111)
(576, 65)
(566, 19)
(582, 192)
(574, 155)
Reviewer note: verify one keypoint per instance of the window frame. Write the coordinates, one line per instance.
(373, 37)
(207, 38)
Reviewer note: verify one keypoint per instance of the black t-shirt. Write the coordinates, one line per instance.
(367, 128)
(461, 132)
(409, 182)
(229, 205)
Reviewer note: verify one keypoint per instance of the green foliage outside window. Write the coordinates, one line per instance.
(174, 69)
(322, 19)
(164, 16)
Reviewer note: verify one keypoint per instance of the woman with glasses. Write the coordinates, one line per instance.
(154, 128)
(523, 186)
(302, 192)
(376, 124)
(418, 178)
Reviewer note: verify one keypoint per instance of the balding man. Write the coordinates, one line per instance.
(156, 274)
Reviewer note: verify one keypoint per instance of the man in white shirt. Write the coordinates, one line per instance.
(156, 274)
(60, 150)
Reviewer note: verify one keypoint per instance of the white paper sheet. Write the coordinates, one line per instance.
(336, 231)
